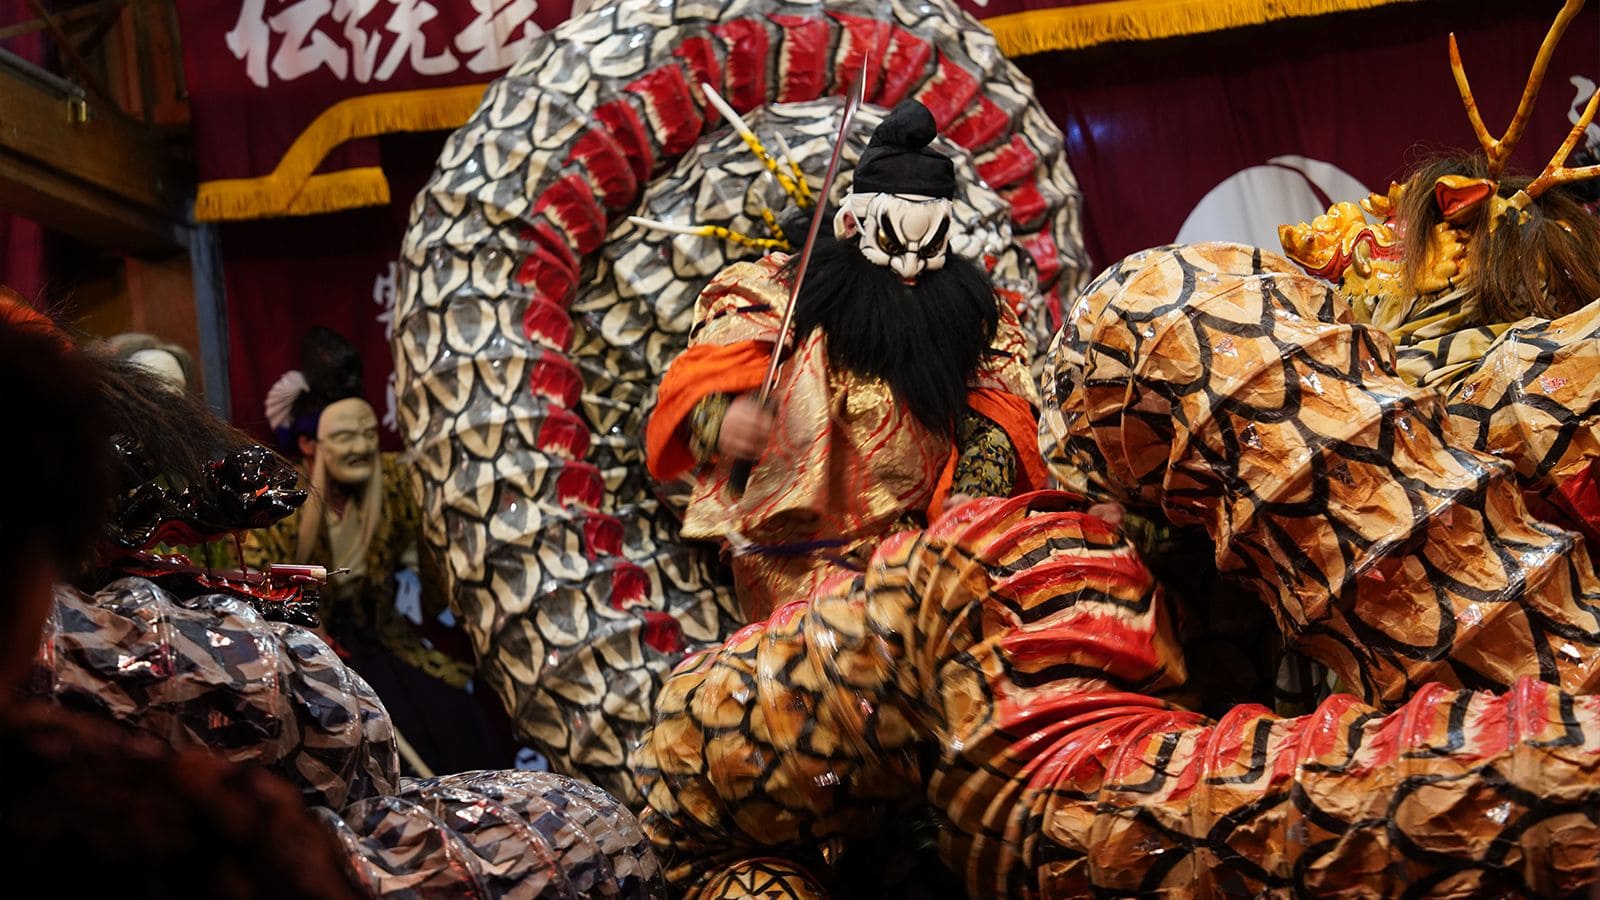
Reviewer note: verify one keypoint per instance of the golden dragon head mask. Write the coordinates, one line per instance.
(1375, 259)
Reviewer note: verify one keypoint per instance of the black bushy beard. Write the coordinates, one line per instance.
(924, 339)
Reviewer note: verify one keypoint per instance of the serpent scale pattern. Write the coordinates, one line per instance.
(1024, 641)
(210, 672)
(1217, 384)
(523, 381)
(497, 834)
(1532, 399)
(766, 877)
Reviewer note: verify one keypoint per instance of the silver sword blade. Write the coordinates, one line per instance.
(818, 213)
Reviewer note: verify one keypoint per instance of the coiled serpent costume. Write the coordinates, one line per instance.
(1026, 644)
(1008, 665)
(211, 672)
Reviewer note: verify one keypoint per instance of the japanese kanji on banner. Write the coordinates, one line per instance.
(279, 88)
(1222, 141)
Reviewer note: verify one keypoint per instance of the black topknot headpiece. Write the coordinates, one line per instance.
(898, 160)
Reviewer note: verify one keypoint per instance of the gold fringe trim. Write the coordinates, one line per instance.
(1076, 27)
(292, 190)
(330, 192)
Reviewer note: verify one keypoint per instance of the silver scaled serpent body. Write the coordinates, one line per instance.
(534, 321)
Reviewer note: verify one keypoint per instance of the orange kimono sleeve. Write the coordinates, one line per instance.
(700, 371)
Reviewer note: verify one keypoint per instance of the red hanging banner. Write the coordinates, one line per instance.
(279, 86)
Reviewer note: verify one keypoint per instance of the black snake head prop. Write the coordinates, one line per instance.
(251, 487)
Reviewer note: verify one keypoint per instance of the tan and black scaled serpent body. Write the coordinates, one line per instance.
(1221, 386)
(1027, 646)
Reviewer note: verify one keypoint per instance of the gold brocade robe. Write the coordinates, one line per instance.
(846, 464)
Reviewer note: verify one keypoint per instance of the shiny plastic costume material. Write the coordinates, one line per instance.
(1222, 387)
(1218, 383)
(530, 330)
(497, 834)
(1024, 643)
(211, 672)
(1010, 665)
(212, 660)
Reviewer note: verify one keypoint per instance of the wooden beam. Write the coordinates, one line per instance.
(69, 206)
(88, 139)
(142, 60)
(65, 17)
(112, 177)
(68, 52)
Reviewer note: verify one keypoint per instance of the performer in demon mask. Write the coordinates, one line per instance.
(904, 388)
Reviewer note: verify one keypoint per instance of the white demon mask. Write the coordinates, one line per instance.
(908, 233)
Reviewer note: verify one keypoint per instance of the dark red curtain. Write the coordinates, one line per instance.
(1151, 130)
(284, 276)
(1153, 127)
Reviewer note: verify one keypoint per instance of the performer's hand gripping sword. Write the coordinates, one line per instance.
(740, 475)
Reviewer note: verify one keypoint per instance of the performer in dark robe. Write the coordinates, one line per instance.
(363, 522)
